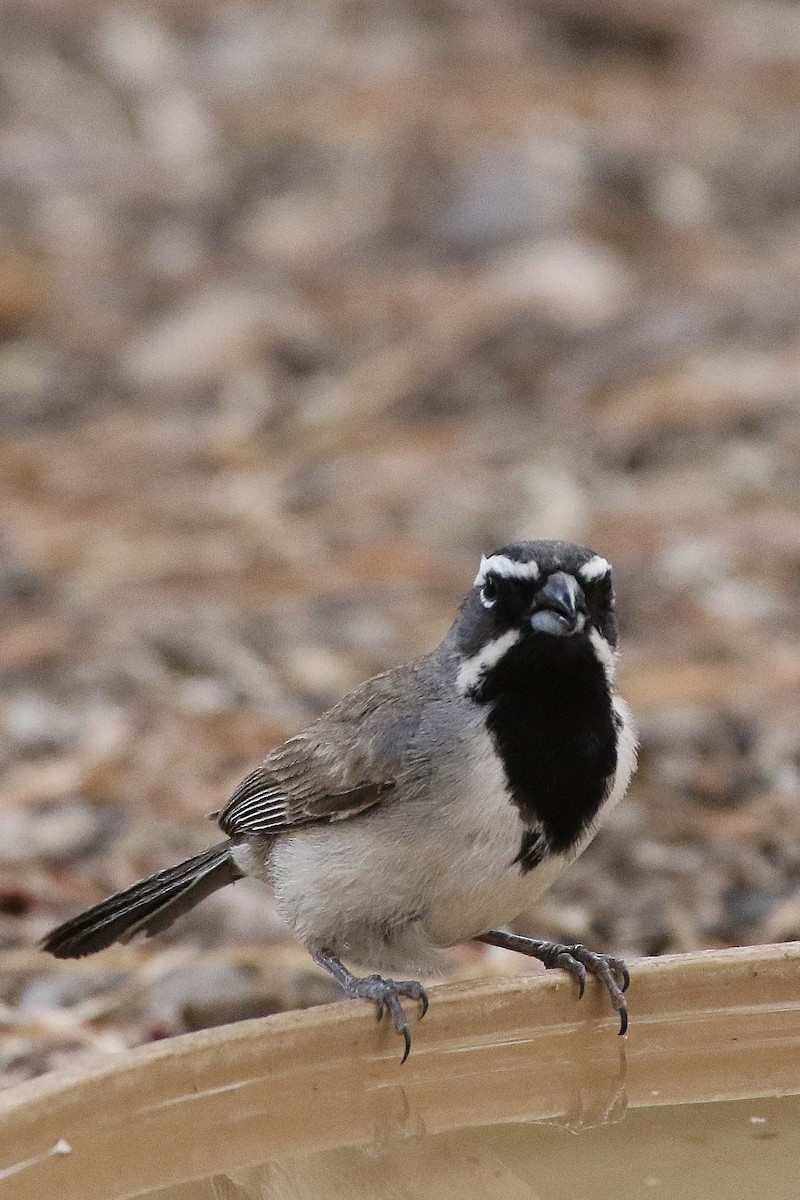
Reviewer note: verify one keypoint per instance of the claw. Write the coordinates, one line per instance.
(391, 1002)
(404, 1030)
(623, 1021)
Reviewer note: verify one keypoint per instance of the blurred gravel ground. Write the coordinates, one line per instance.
(302, 307)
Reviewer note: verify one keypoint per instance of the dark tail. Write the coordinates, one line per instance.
(150, 905)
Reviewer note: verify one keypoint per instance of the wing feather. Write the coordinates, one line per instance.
(345, 763)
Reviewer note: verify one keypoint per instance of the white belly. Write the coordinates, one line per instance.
(391, 887)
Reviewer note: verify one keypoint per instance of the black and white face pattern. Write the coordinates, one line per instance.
(528, 594)
(536, 639)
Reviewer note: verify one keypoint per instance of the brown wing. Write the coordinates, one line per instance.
(344, 763)
(292, 788)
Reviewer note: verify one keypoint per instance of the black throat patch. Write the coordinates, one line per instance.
(552, 721)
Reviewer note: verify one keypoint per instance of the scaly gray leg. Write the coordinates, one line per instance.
(384, 993)
(576, 960)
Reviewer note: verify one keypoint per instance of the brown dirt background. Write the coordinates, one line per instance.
(303, 307)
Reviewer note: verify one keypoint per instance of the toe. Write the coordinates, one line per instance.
(621, 973)
(613, 974)
(566, 961)
(417, 992)
(414, 991)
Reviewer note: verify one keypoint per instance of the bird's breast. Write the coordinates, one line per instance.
(429, 868)
(553, 724)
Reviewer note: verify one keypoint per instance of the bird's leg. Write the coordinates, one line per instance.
(384, 993)
(576, 960)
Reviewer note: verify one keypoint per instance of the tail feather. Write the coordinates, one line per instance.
(148, 906)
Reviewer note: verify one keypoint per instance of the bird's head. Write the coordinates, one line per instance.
(535, 602)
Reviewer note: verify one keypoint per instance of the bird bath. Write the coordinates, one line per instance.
(701, 1100)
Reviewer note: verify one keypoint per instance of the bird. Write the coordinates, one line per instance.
(432, 805)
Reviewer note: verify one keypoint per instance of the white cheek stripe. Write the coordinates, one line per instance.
(595, 568)
(626, 752)
(626, 765)
(506, 568)
(605, 655)
(472, 669)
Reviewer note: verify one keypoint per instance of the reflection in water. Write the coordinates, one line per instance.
(595, 1101)
(680, 1152)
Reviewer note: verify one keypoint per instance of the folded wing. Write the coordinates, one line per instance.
(345, 763)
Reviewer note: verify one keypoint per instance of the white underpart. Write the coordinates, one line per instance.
(473, 669)
(505, 568)
(451, 860)
(626, 754)
(448, 857)
(595, 568)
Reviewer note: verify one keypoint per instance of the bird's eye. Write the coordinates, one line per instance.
(489, 593)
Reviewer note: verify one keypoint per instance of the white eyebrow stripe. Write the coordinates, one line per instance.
(506, 568)
(595, 568)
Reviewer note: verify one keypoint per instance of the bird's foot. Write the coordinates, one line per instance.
(577, 961)
(385, 994)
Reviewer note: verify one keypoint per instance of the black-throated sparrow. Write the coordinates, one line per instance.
(436, 801)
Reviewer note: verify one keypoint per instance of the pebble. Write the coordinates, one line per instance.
(202, 987)
(63, 989)
(36, 724)
(62, 831)
(199, 341)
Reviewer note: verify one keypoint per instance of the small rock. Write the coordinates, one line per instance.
(506, 197)
(57, 833)
(551, 501)
(198, 988)
(22, 290)
(199, 342)
(745, 600)
(63, 989)
(573, 281)
(206, 694)
(36, 724)
(135, 46)
(30, 643)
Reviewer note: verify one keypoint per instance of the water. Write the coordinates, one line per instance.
(691, 1152)
(512, 1090)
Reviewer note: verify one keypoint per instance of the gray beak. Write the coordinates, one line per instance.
(560, 606)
